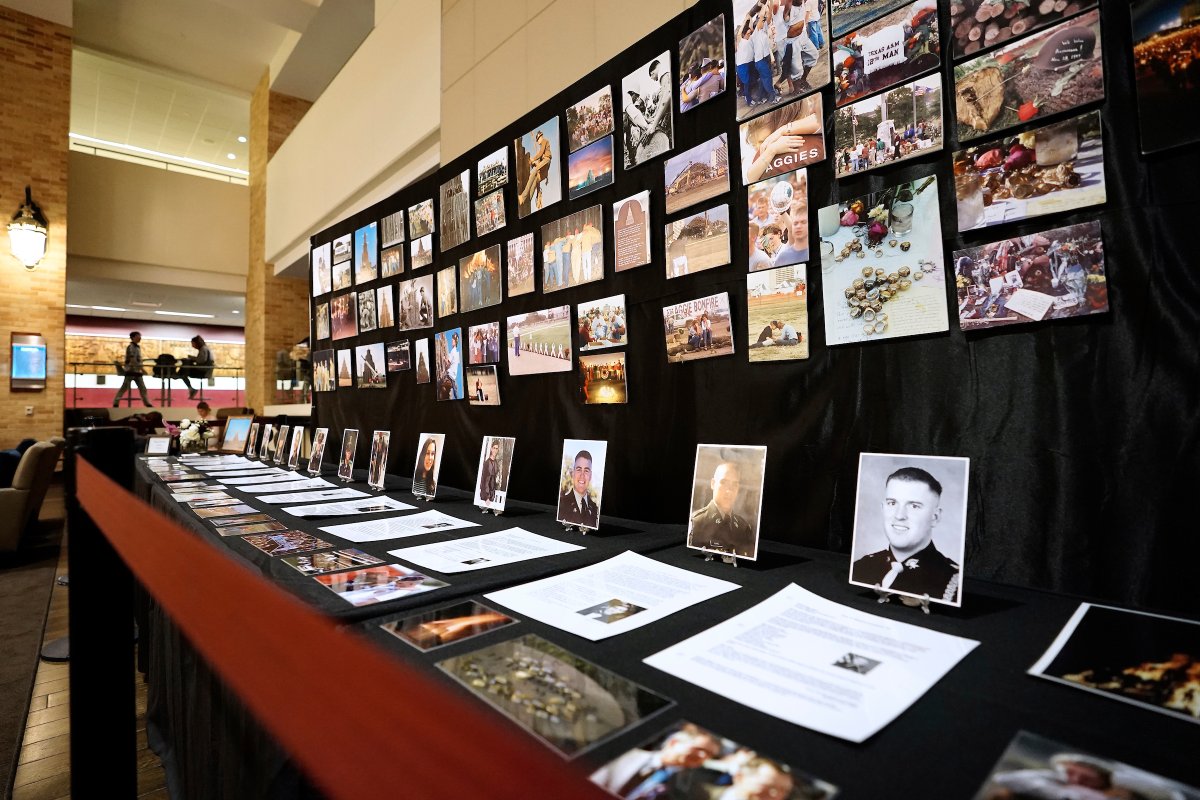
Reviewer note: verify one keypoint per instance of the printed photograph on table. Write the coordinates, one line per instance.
(233, 438)
(371, 361)
(893, 126)
(890, 50)
(702, 64)
(415, 307)
(539, 341)
(538, 173)
(267, 451)
(366, 311)
(495, 468)
(420, 251)
(781, 52)
(382, 584)
(631, 231)
(778, 226)
(345, 469)
(392, 261)
(727, 488)
(343, 266)
(242, 530)
(910, 525)
(520, 265)
(317, 456)
(297, 444)
(1056, 70)
(601, 323)
(421, 360)
(281, 542)
(698, 242)
(420, 219)
(322, 275)
(590, 118)
(447, 358)
(1056, 168)
(697, 174)
(384, 315)
(1166, 43)
(699, 763)
(252, 440)
(573, 250)
(447, 295)
(777, 314)
(534, 673)
(377, 465)
(647, 121)
(979, 24)
(398, 356)
(343, 312)
(882, 265)
(456, 623)
(492, 172)
(581, 482)
(366, 253)
(1055, 274)
(454, 210)
(602, 379)
(698, 328)
(428, 464)
(590, 168)
(479, 280)
(783, 140)
(345, 369)
(483, 385)
(223, 511)
(489, 213)
(484, 343)
(321, 322)
(391, 229)
(331, 561)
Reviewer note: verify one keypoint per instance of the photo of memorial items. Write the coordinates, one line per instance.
(581, 482)
(565, 701)
(1056, 168)
(345, 469)
(447, 292)
(252, 440)
(322, 275)
(342, 265)
(601, 324)
(484, 343)
(381, 584)
(415, 307)
(420, 219)
(391, 229)
(602, 379)
(520, 265)
(281, 542)
(447, 361)
(647, 122)
(631, 231)
(479, 279)
(343, 311)
(429, 462)
(890, 50)
(539, 341)
(492, 171)
(697, 242)
(573, 250)
(687, 761)
(1166, 55)
(727, 488)
(399, 357)
(454, 206)
(377, 465)
(590, 118)
(981, 24)
(882, 265)
(293, 459)
(420, 251)
(392, 261)
(777, 314)
(781, 52)
(371, 366)
(331, 561)
(324, 371)
(783, 140)
(489, 213)
(698, 174)
(366, 249)
(698, 328)
(483, 385)
(1148, 660)
(322, 326)
(849, 14)
(421, 348)
(702, 64)
(495, 467)
(590, 168)
(366, 311)
(778, 226)
(902, 123)
(318, 450)
(456, 623)
(1056, 70)
(538, 173)
(345, 369)
(1055, 274)
(910, 525)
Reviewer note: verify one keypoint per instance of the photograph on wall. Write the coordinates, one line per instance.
(331, 561)
(447, 359)
(698, 328)
(420, 251)
(391, 261)
(420, 219)
(324, 369)
(489, 213)
(602, 379)
(981, 24)
(698, 242)
(590, 168)
(631, 231)
(581, 482)
(343, 276)
(1055, 168)
(381, 584)
(317, 455)
(727, 489)
(385, 315)
(372, 362)
(1148, 660)
(366, 253)
(366, 311)
(343, 313)
(702, 64)
(322, 275)
(698, 174)
(1166, 40)
(415, 306)
(421, 360)
(573, 250)
(1054, 274)
(479, 280)
(539, 341)
(399, 356)
(454, 208)
(483, 385)
(345, 369)
(484, 343)
(1056, 70)
(447, 292)
(892, 49)
(538, 173)
(428, 464)
(342, 249)
(345, 469)
(783, 140)
(391, 229)
(293, 458)
(882, 265)
(601, 323)
(590, 118)
(536, 673)
(799, 62)
(777, 314)
(520, 265)
(647, 121)
(778, 226)
(457, 623)
(492, 172)
(910, 525)
(321, 323)
(281, 542)
(902, 123)
(377, 464)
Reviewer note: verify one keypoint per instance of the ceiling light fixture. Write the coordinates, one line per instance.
(235, 311)
(184, 314)
(27, 233)
(230, 156)
(242, 139)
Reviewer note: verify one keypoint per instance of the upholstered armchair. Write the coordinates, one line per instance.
(20, 503)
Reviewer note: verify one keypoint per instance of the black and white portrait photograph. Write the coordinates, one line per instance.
(414, 309)
(454, 204)
(647, 127)
(727, 499)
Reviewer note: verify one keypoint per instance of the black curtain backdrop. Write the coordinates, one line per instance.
(1082, 434)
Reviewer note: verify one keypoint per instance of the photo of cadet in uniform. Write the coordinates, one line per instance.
(520, 265)
(318, 450)
(366, 253)
(495, 467)
(904, 503)
(322, 276)
(647, 125)
(538, 174)
(377, 465)
(420, 219)
(727, 499)
(415, 308)
(454, 205)
(391, 229)
(581, 482)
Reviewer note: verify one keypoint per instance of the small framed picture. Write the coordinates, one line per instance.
(727, 489)
(317, 455)
(346, 460)
(377, 467)
(237, 429)
(158, 445)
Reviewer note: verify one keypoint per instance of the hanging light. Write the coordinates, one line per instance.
(27, 233)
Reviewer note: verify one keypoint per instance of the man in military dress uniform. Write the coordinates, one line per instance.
(715, 527)
(575, 507)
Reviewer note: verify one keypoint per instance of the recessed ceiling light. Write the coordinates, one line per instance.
(242, 139)
(235, 311)
(183, 314)
(230, 156)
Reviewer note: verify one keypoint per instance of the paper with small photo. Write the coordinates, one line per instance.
(369, 505)
(483, 552)
(312, 497)
(380, 530)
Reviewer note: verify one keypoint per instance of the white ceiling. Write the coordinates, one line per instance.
(141, 300)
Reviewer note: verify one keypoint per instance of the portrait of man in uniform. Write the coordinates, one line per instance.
(581, 482)
(727, 500)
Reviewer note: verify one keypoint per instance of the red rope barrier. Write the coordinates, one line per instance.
(409, 731)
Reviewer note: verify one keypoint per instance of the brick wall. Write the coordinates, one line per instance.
(35, 96)
(284, 113)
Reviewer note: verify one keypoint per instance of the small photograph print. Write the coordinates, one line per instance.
(455, 623)
(492, 172)
(318, 450)
(392, 261)
(777, 314)
(377, 464)
(343, 312)
(727, 499)
(978, 30)
(573, 250)
(1043, 171)
(420, 219)
(343, 270)
(1055, 274)
(447, 294)
(783, 140)
(345, 369)
(601, 324)
(602, 379)
(281, 542)
(698, 174)
(495, 468)
(346, 459)
(415, 306)
(243, 530)
(610, 611)
(698, 328)
(698, 242)
(631, 231)
(539, 341)
(371, 360)
(890, 50)
(421, 360)
(590, 118)
(647, 122)
(293, 458)
(581, 484)
(447, 357)
(385, 315)
(778, 224)
(321, 322)
(428, 464)
(1166, 42)
(322, 274)
(489, 213)
(454, 206)
(479, 280)
(901, 123)
(223, 511)
(420, 251)
(391, 229)
(910, 525)
(1055, 70)
(252, 440)
(533, 673)
(538, 174)
(399, 357)
(380, 584)
(520, 265)
(702, 64)
(797, 64)
(267, 452)
(366, 311)
(331, 561)
(483, 385)
(485, 343)
(342, 247)
(366, 253)
(590, 168)
(856, 663)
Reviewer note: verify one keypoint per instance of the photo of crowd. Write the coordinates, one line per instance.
(489, 213)
(492, 171)
(601, 323)
(602, 379)
(778, 225)
(1166, 63)
(420, 219)
(590, 118)
(484, 343)
(781, 52)
(702, 64)
(901, 123)
(479, 279)
(520, 265)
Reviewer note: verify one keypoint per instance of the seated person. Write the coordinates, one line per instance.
(197, 366)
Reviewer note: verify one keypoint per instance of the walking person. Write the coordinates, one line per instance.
(132, 369)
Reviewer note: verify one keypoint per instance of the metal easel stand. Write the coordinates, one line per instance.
(912, 602)
(728, 559)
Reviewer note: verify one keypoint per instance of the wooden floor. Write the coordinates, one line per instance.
(44, 767)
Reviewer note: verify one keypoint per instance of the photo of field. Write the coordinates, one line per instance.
(539, 341)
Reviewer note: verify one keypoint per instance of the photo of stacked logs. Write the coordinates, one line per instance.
(980, 24)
